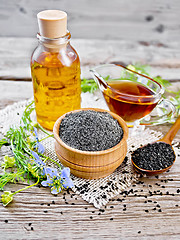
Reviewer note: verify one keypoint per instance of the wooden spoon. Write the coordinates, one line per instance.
(166, 139)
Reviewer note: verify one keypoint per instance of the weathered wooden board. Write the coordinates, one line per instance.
(15, 54)
(34, 215)
(117, 19)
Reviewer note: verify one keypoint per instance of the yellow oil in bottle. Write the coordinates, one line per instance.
(56, 83)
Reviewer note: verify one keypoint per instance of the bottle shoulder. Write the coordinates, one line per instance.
(64, 56)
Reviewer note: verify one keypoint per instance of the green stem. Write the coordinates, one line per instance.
(46, 158)
(27, 187)
(46, 137)
(50, 135)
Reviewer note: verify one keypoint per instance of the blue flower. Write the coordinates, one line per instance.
(37, 159)
(57, 182)
(38, 145)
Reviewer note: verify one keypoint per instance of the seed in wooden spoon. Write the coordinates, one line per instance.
(155, 156)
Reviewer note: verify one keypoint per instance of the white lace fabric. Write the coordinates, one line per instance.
(100, 191)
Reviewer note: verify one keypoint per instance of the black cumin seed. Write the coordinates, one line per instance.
(154, 156)
(101, 210)
(176, 205)
(48, 204)
(45, 211)
(111, 219)
(119, 200)
(111, 206)
(6, 221)
(29, 224)
(53, 202)
(159, 210)
(90, 130)
(91, 217)
(32, 228)
(146, 210)
(139, 231)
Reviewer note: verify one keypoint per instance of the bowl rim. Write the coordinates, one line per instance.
(114, 115)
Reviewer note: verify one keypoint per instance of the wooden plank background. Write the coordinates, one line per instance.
(137, 20)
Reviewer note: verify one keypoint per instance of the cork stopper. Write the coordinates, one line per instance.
(52, 23)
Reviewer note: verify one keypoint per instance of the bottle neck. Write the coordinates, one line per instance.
(54, 44)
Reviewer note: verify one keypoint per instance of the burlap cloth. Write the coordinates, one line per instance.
(98, 192)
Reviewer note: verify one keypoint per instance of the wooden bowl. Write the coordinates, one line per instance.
(89, 164)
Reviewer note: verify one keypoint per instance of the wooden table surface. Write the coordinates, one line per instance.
(151, 211)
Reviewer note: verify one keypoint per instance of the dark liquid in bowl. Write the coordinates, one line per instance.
(128, 107)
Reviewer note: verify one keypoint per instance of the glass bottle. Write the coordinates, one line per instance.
(55, 69)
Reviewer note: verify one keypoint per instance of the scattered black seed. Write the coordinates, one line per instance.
(159, 210)
(48, 204)
(111, 219)
(62, 213)
(155, 156)
(146, 210)
(91, 217)
(176, 205)
(111, 206)
(93, 211)
(45, 211)
(72, 203)
(6, 221)
(101, 210)
(32, 228)
(99, 213)
(119, 200)
(66, 203)
(149, 18)
(41, 203)
(86, 208)
(155, 202)
(139, 231)
(29, 224)
(90, 130)
(145, 201)
(160, 28)
(178, 191)
(163, 186)
(124, 209)
(149, 200)
(53, 202)
(158, 205)
(154, 208)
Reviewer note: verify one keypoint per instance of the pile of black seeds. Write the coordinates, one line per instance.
(155, 156)
(89, 130)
